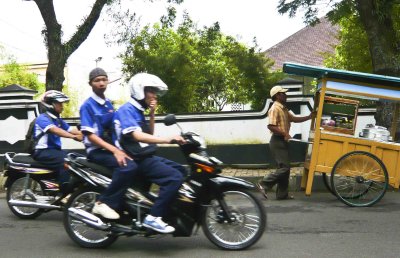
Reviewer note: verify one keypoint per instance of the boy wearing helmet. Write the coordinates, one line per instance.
(48, 130)
(129, 121)
(96, 124)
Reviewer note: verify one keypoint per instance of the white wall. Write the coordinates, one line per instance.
(228, 127)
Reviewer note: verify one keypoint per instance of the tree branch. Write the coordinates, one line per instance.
(86, 27)
(53, 28)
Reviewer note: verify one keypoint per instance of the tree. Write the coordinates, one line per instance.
(378, 18)
(13, 73)
(203, 68)
(372, 25)
(58, 51)
(352, 52)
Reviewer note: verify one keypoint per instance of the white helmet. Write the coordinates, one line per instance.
(140, 81)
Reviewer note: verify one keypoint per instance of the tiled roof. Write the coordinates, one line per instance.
(305, 46)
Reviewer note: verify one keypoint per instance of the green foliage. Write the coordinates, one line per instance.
(14, 73)
(71, 109)
(203, 68)
(352, 53)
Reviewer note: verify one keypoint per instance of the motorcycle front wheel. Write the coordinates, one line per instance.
(24, 189)
(81, 233)
(248, 220)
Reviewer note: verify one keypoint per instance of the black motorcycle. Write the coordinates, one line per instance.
(231, 216)
(31, 188)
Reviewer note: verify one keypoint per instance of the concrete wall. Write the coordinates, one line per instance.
(237, 138)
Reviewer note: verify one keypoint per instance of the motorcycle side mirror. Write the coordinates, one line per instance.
(169, 119)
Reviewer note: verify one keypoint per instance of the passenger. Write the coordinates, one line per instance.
(48, 130)
(133, 130)
(96, 125)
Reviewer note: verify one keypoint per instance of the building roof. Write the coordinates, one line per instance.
(305, 46)
(289, 81)
(16, 88)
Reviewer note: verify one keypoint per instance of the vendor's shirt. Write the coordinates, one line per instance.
(43, 123)
(280, 116)
(96, 117)
(129, 118)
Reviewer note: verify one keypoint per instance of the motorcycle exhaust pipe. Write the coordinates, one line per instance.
(88, 218)
(33, 204)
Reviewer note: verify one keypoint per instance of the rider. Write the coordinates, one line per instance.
(48, 130)
(129, 122)
(96, 125)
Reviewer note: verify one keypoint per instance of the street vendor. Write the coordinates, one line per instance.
(279, 125)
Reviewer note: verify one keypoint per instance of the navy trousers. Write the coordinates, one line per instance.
(165, 173)
(122, 177)
(54, 160)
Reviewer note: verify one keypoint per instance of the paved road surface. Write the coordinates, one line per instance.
(316, 226)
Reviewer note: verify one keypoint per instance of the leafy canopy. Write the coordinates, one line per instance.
(13, 73)
(203, 68)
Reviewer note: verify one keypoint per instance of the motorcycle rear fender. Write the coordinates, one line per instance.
(221, 182)
(11, 175)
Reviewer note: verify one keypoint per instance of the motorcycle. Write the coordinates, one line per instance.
(231, 216)
(31, 188)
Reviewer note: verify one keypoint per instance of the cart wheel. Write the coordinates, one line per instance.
(359, 179)
(326, 178)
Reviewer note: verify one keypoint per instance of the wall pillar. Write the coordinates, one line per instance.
(17, 110)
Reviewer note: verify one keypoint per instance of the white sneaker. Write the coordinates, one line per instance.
(156, 224)
(105, 211)
(65, 199)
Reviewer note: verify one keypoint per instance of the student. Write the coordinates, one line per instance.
(96, 125)
(48, 130)
(130, 123)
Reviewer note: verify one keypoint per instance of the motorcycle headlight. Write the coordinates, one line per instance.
(200, 140)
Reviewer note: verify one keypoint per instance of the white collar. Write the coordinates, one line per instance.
(136, 104)
(51, 115)
(98, 99)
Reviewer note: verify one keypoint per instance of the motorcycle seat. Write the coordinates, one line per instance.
(27, 161)
(99, 169)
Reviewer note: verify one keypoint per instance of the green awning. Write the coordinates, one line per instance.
(319, 73)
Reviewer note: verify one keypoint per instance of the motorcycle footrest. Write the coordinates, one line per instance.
(121, 229)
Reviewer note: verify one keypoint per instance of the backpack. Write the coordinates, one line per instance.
(30, 141)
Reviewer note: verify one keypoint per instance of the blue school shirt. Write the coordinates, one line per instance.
(127, 119)
(49, 140)
(96, 117)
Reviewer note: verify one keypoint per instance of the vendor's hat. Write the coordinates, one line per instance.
(277, 89)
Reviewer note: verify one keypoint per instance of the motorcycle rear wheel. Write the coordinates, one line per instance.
(249, 220)
(78, 231)
(16, 191)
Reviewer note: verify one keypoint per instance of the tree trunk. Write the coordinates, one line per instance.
(383, 43)
(58, 53)
(383, 46)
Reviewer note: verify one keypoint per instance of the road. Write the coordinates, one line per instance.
(316, 226)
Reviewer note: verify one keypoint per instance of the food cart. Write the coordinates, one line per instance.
(358, 160)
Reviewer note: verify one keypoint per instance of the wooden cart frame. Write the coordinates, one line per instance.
(328, 147)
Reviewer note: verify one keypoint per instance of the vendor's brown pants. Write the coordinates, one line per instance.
(280, 152)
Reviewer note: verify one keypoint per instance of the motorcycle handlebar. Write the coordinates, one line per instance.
(173, 141)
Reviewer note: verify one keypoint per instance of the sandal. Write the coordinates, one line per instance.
(261, 188)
